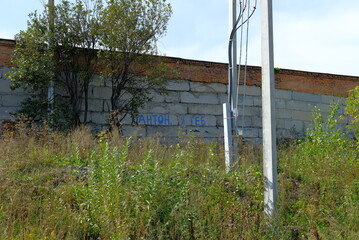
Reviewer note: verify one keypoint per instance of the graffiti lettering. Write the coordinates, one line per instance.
(154, 119)
(166, 120)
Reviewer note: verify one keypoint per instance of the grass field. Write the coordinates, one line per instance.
(77, 186)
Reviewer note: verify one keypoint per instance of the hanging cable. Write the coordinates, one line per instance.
(238, 77)
(245, 72)
(230, 45)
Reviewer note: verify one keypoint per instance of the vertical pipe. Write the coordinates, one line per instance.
(227, 126)
(268, 112)
(233, 71)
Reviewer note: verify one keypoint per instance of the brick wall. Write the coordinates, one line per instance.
(193, 105)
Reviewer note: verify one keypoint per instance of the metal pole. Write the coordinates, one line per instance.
(268, 113)
(227, 126)
(233, 71)
(228, 119)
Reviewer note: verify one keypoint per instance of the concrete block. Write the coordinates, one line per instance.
(283, 133)
(178, 108)
(294, 125)
(205, 131)
(300, 105)
(207, 98)
(283, 94)
(223, 98)
(4, 70)
(94, 105)
(280, 123)
(307, 97)
(4, 85)
(331, 99)
(166, 131)
(219, 121)
(250, 90)
(283, 114)
(250, 133)
(158, 108)
(208, 87)
(178, 85)
(302, 116)
(134, 131)
(205, 109)
(99, 117)
(247, 101)
(169, 97)
(251, 111)
(12, 100)
(244, 121)
(257, 101)
(256, 122)
(166, 108)
(156, 97)
(101, 93)
(197, 120)
(172, 97)
(324, 108)
(5, 113)
(106, 105)
(279, 103)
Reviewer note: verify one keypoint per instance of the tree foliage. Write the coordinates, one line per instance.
(352, 109)
(129, 34)
(70, 42)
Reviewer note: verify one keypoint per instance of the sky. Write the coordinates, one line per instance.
(309, 35)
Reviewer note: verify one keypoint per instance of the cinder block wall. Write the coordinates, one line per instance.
(193, 108)
(193, 105)
(9, 99)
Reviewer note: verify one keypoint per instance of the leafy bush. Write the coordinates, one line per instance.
(353, 109)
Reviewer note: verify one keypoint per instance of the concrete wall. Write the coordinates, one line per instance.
(193, 105)
(9, 100)
(193, 108)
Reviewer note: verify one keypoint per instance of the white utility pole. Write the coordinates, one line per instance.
(268, 113)
(231, 105)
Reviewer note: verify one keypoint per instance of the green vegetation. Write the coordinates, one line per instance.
(73, 41)
(76, 186)
(353, 109)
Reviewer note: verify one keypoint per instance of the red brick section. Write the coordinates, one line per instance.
(6, 50)
(299, 81)
(201, 71)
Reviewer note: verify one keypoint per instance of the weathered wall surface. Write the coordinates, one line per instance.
(193, 105)
(194, 108)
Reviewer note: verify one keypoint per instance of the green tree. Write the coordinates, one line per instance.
(62, 43)
(130, 30)
(58, 45)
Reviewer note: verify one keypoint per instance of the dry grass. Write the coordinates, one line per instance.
(80, 186)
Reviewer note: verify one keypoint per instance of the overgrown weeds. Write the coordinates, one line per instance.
(77, 186)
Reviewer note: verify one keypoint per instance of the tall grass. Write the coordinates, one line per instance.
(77, 186)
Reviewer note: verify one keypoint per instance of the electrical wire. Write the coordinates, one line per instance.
(245, 73)
(230, 48)
(230, 45)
